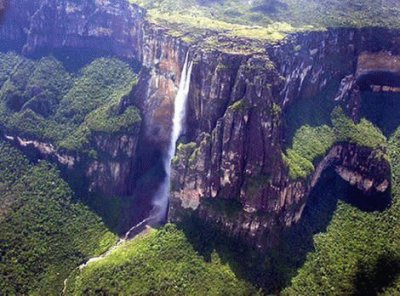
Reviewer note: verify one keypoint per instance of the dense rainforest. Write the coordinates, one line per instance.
(200, 147)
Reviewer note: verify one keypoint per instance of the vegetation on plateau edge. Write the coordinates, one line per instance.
(213, 22)
(41, 100)
(312, 143)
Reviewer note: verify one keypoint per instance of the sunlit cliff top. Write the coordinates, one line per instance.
(212, 21)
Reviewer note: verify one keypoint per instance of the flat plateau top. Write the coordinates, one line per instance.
(219, 22)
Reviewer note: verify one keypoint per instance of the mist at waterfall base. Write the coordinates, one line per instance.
(161, 198)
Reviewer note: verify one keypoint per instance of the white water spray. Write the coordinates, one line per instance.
(161, 199)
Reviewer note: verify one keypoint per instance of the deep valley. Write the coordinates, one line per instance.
(220, 148)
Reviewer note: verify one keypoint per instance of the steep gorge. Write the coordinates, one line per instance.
(241, 111)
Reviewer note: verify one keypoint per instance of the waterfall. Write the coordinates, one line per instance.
(161, 199)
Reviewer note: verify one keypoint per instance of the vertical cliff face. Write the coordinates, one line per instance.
(15, 20)
(236, 156)
(44, 26)
(110, 173)
(241, 122)
(325, 64)
(360, 166)
(162, 59)
(238, 120)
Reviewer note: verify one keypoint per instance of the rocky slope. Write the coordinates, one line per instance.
(241, 110)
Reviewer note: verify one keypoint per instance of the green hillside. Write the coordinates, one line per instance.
(41, 99)
(44, 231)
(161, 262)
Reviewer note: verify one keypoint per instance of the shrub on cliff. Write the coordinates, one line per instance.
(312, 143)
(363, 133)
(359, 253)
(309, 144)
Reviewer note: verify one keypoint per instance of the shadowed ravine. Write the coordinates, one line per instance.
(160, 200)
(158, 215)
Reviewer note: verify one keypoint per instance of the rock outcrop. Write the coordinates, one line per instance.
(363, 167)
(108, 173)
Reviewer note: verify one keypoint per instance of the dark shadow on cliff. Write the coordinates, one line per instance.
(120, 213)
(367, 203)
(246, 262)
(305, 110)
(297, 241)
(372, 280)
(74, 59)
(205, 238)
(274, 270)
(149, 175)
(383, 109)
